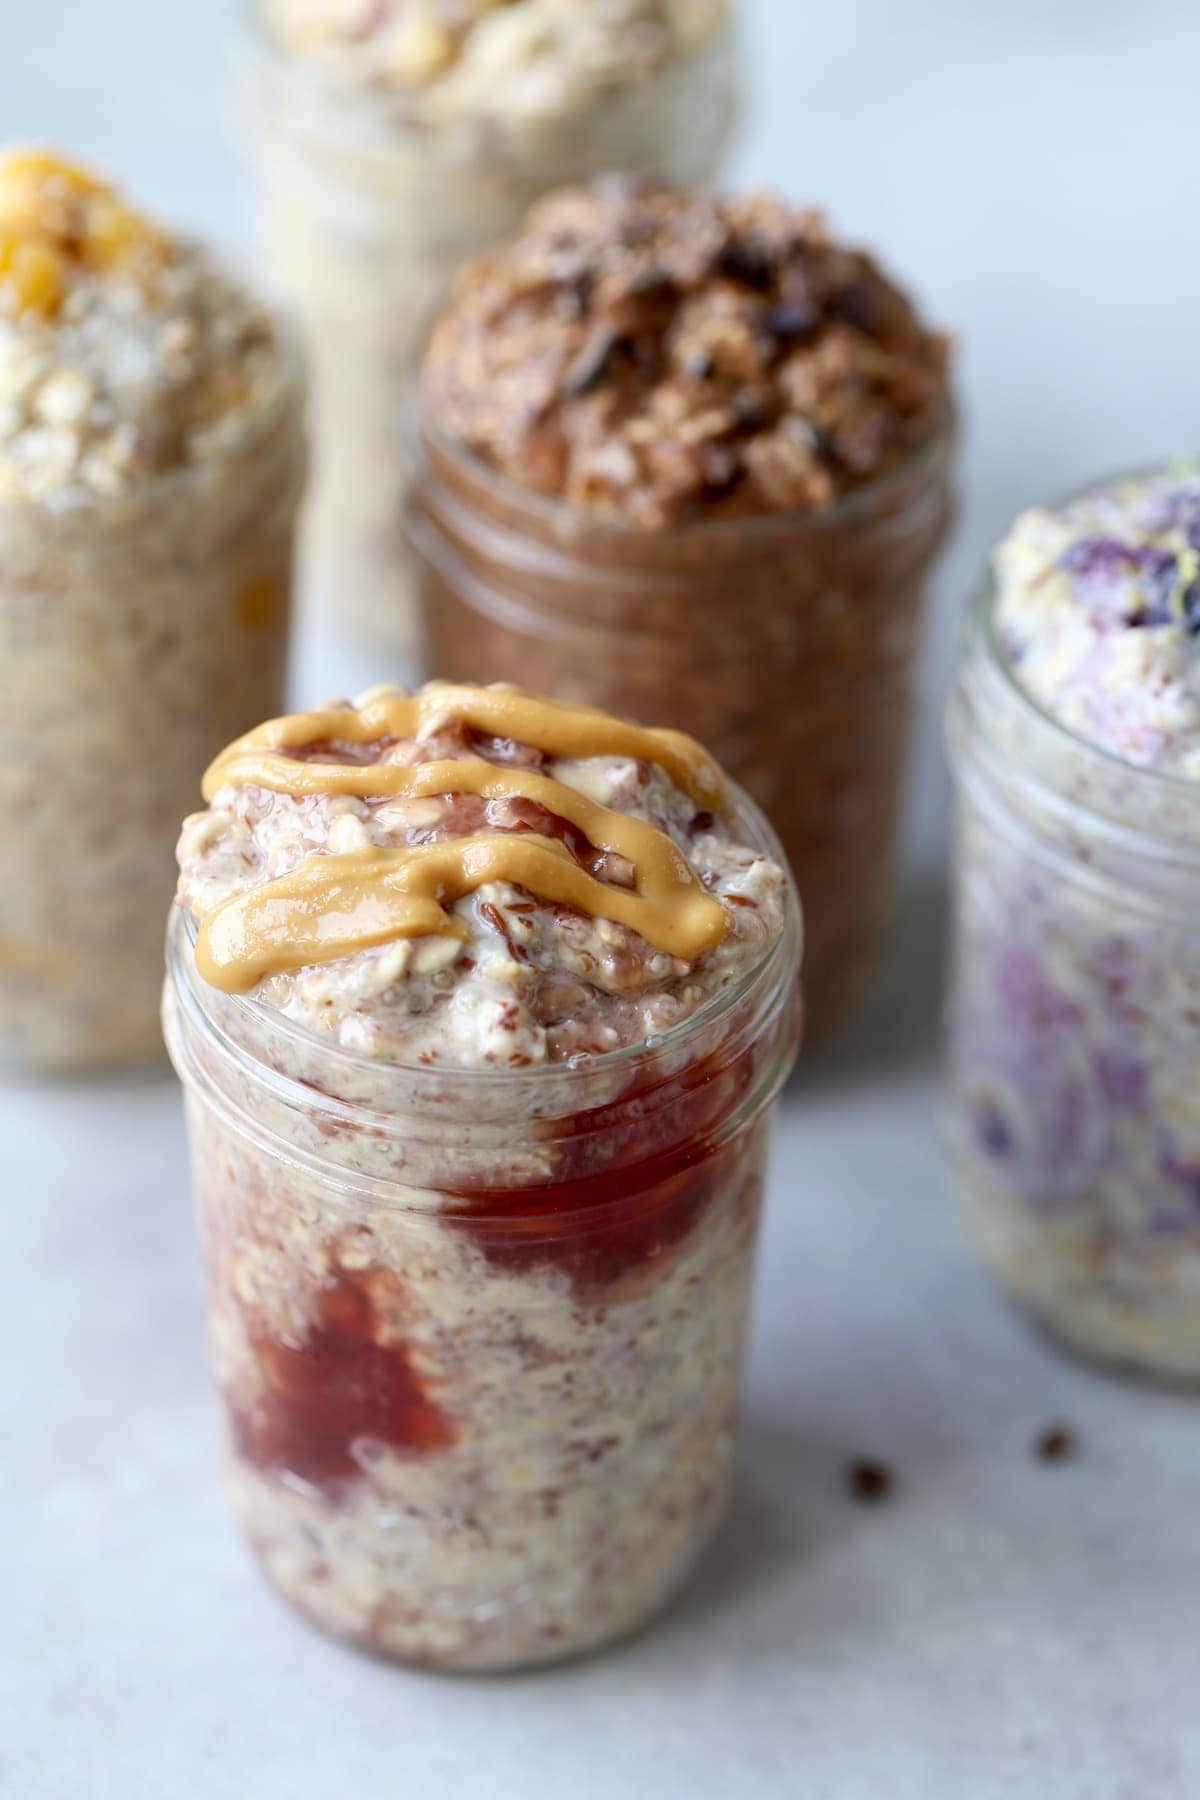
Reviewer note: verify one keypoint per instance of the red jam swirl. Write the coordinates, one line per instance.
(318, 1398)
(629, 1194)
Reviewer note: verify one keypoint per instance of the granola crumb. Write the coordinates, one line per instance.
(1056, 1443)
(870, 1480)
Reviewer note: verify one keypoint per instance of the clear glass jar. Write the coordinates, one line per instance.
(137, 635)
(365, 217)
(479, 1333)
(784, 643)
(1074, 1022)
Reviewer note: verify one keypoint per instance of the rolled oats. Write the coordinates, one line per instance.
(143, 496)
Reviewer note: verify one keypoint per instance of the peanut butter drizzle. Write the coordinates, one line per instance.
(506, 712)
(331, 906)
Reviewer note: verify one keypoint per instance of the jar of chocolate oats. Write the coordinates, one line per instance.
(690, 459)
(481, 1003)
(151, 459)
(395, 141)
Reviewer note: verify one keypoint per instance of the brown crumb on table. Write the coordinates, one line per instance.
(1055, 1443)
(869, 1480)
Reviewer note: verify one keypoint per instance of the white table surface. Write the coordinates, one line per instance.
(1000, 1628)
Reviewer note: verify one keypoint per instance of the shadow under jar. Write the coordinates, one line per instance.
(138, 633)
(479, 1333)
(368, 207)
(1074, 1021)
(784, 642)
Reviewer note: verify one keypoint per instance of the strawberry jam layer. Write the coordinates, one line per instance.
(632, 1181)
(319, 1396)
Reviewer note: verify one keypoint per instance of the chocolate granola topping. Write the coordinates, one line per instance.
(663, 356)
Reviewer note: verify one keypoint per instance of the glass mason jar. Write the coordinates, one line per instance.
(479, 1333)
(366, 214)
(784, 643)
(137, 635)
(1074, 1022)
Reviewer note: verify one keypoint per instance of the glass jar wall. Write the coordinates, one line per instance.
(1074, 1022)
(785, 643)
(137, 635)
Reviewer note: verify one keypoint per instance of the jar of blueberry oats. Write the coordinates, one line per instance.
(395, 139)
(481, 1004)
(1075, 1003)
(151, 457)
(690, 459)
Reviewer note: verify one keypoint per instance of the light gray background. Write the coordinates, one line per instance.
(1001, 1628)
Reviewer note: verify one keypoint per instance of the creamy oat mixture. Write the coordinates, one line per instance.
(486, 1424)
(663, 357)
(151, 457)
(445, 1444)
(514, 60)
(528, 982)
(125, 353)
(1098, 614)
(1076, 994)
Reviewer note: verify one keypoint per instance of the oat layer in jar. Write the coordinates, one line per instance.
(481, 1004)
(395, 141)
(151, 456)
(1075, 1006)
(690, 460)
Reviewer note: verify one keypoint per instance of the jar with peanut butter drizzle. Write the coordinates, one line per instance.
(151, 461)
(481, 1003)
(690, 459)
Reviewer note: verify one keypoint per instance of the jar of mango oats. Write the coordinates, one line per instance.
(482, 1004)
(151, 462)
(395, 139)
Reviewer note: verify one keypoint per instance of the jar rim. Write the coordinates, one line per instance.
(981, 626)
(418, 427)
(397, 107)
(772, 974)
(285, 399)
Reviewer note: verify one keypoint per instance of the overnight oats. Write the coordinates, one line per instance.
(689, 459)
(151, 455)
(1075, 1015)
(481, 1003)
(397, 138)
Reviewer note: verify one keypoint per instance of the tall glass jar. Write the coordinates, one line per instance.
(785, 643)
(137, 635)
(366, 214)
(479, 1333)
(1074, 1022)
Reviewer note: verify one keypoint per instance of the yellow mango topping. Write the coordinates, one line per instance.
(58, 222)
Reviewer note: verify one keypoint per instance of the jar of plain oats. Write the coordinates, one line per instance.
(482, 1004)
(690, 460)
(151, 458)
(392, 144)
(1075, 1000)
